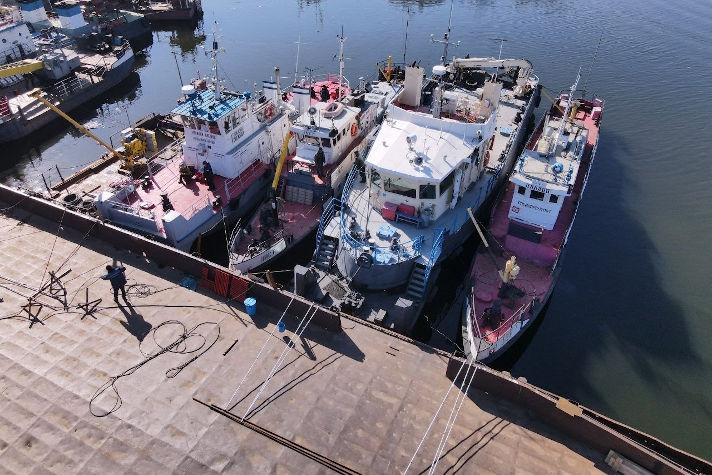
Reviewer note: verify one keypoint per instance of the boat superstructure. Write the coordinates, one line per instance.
(445, 145)
(514, 272)
(329, 133)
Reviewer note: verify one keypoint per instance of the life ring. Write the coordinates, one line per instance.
(269, 112)
(354, 129)
(332, 109)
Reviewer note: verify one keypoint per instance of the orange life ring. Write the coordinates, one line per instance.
(354, 129)
(269, 112)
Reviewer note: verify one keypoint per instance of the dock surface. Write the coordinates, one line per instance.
(360, 398)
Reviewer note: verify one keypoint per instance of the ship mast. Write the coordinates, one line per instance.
(446, 39)
(440, 70)
(569, 103)
(341, 61)
(214, 56)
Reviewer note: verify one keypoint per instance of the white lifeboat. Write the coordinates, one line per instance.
(333, 109)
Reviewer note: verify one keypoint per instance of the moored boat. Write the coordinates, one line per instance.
(514, 272)
(329, 134)
(69, 76)
(217, 175)
(446, 144)
(170, 11)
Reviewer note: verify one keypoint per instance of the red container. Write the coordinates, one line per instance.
(406, 209)
(388, 211)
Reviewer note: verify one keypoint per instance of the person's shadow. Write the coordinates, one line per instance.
(134, 324)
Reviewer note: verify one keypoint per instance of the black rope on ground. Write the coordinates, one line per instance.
(179, 346)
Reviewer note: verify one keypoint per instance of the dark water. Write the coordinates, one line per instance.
(628, 328)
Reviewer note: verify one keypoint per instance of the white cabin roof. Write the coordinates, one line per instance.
(443, 144)
(557, 169)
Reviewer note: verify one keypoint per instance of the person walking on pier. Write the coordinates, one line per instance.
(117, 277)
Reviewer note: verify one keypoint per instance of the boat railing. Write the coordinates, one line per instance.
(500, 336)
(135, 210)
(256, 247)
(435, 250)
(196, 207)
(349, 183)
(331, 77)
(235, 237)
(235, 186)
(67, 87)
(330, 209)
(355, 243)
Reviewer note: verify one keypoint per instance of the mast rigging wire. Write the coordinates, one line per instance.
(282, 356)
(435, 415)
(249, 370)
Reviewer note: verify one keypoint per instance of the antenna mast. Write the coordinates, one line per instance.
(501, 43)
(446, 38)
(214, 56)
(296, 67)
(572, 91)
(341, 60)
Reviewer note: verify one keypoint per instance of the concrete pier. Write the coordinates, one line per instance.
(179, 379)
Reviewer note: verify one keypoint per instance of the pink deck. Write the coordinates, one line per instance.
(187, 199)
(535, 260)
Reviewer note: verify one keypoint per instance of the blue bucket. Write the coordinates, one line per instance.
(251, 306)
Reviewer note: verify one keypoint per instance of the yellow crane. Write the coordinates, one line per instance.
(24, 66)
(134, 146)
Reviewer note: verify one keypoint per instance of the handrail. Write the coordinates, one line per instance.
(435, 251)
(355, 245)
(515, 317)
(326, 216)
(349, 183)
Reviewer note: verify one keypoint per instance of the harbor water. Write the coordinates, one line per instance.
(626, 332)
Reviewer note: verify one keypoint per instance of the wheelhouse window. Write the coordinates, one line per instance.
(427, 192)
(399, 186)
(447, 183)
(553, 198)
(521, 190)
(309, 140)
(326, 142)
(537, 195)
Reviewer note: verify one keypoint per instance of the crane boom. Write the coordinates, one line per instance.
(37, 93)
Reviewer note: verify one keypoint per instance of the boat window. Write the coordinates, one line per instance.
(537, 195)
(553, 198)
(326, 142)
(447, 182)
(399, 186)
(309, 140)
(227, 124)
(427, 192)
(521, 190)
